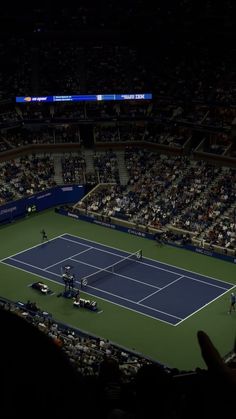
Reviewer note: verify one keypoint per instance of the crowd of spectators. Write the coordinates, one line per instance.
(106, 166)
(145, 132)
(164, 110)
(193, 106)
(106, 134)
(84, 351)
(73, 169)
(169, 136)
(193, 86)
(113, 381)
(223, 232)
(166, 191)
(25, 176)
(109, 372)
(202, 212)
(162, 190)
(21, 136)
(140, 201)
(218, 144)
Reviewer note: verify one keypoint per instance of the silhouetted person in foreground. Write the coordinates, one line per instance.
(212, 395)
(36, 373)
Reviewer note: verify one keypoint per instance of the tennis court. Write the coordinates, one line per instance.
(154, 289)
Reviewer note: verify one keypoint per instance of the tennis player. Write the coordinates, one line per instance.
(232, 302)
(44, 235)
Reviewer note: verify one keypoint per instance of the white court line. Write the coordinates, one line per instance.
(120, 305)
(89, 293)
(173, 266)
(204, 282)
(32, 273)
(96, 248)
(32, 247)
(68, 258)
(153, 260)
(145, 298)
(120, 256)
(120, 250)
(84, 263)
(204, 306)
(162, 269)
(31, 266)
(114, 273)
(44, 270)
(133, 302)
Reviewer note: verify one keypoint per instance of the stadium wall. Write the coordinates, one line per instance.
(38, 202)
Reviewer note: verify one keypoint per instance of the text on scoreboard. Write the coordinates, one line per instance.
(84, 98)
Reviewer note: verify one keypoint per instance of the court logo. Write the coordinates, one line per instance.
(72, 215)
(7, 210)
(136, 233)
(67, 188)
(44, 196)
(103, 223)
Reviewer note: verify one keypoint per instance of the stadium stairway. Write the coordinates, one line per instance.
(123, 173)
(88, 155)
(58, 169)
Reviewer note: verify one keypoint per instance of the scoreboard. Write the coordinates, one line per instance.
(84, 98)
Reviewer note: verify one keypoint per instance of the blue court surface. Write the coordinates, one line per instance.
(146, 286)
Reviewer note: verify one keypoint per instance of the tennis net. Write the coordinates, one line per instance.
(114, 268)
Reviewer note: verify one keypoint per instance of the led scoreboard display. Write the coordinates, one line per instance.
(84, 98)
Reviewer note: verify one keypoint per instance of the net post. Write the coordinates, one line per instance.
(136, 256)
(140, 254)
